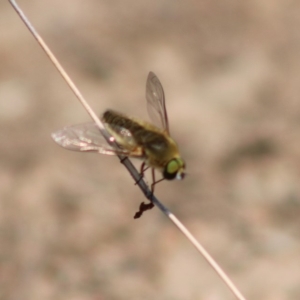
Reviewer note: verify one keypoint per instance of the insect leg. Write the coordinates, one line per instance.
(123, 159)
(142, 171)
(155, 182)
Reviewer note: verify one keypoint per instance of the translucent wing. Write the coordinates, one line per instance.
(85, 137)
(156, 102)
(122, 135)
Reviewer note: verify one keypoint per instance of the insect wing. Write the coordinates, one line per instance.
(122, 135)
(156, 102)
(85, 137)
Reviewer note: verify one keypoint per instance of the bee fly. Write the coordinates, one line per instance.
(135, 138)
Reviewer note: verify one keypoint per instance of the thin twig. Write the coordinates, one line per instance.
(125, 161)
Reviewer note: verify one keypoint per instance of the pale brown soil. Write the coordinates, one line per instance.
(231, 74)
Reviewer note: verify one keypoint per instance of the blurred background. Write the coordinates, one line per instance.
(230, 70)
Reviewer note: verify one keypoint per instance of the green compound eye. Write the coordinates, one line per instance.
(174, 169)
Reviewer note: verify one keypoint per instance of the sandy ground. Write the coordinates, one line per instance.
(231, 74)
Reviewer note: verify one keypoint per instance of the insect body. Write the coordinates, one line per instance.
(147, 142)
(135, 138)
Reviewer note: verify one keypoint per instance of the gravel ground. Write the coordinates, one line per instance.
(230, 70)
